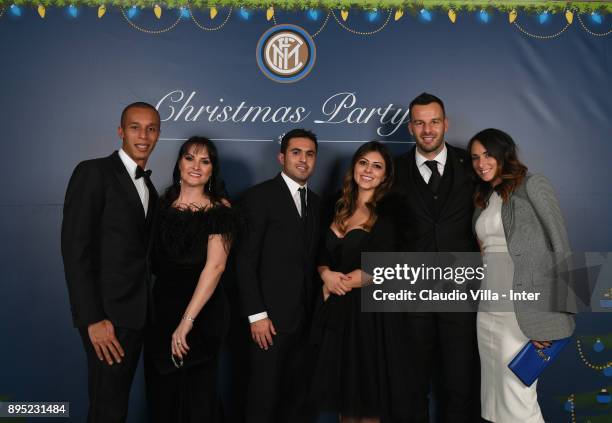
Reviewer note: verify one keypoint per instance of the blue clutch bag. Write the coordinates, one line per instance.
(531, 361)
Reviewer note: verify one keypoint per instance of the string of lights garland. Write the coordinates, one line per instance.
(591, 32)
(602, 396)
(322, 26)
(425, 14)
(572, 408)
(531, 6)
(317, 32)
(541, 37)
(210, 29)
(148, 31)
(598, 367)
(352, 31)
(570, 404)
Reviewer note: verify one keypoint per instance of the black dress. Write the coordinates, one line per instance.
(362, 360)
(189, 393)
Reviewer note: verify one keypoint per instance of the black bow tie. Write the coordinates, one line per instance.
(140, 172)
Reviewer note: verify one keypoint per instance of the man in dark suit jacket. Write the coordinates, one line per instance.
(277, 284)
(109, 207)
(433, 199)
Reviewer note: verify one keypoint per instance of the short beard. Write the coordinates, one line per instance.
(430, 148)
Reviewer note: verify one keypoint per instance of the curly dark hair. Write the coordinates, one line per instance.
(347, 203)
(512, 172)
(214, 189)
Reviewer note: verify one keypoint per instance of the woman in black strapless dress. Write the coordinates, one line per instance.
(192, 236)
(360, 371)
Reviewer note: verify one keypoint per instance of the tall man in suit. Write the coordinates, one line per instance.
(433, 195)
(109, 207)
(277, 284)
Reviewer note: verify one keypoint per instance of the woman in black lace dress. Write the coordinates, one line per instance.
(360, 371)
(194, 231)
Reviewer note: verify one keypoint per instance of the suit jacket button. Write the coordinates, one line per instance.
(435, 197)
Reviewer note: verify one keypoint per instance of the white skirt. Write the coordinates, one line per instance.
(504, 398)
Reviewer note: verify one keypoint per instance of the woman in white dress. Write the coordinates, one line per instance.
(517, 220)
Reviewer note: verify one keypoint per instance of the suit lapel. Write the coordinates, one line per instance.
(152, 206)
(507, 216)
(458, 168)
(289, 208)
(312, 220)
(125, 181)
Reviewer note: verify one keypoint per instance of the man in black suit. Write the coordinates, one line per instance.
(109, 207)
(433, 194)
(277, 284)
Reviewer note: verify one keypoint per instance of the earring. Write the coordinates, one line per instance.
(210, 184)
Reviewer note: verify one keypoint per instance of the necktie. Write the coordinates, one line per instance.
(302, 191)
(434, 180)
(140, 172)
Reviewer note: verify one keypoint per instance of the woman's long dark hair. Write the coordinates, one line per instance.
(214, 188)
(347, 203)
(512, 172)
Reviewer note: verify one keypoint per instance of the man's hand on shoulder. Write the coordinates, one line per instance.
(104, 341)
(262, 331)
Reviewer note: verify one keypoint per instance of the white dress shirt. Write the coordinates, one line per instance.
(140, 184)
(294, 188)
(425, 170)
(295, 194)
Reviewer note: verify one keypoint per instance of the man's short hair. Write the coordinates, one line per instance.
(423, 100)
(138, 104)
(297, 133)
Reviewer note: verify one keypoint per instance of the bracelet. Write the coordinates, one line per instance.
(188, 318)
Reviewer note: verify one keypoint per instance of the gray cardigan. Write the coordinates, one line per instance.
(535, 234)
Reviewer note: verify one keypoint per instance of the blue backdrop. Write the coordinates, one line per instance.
(64, 82)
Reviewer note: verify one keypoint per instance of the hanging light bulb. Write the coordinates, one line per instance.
(569, 16)
(598, 346)
(483, 16)
(157, 10)
(101, 11)
(344, 14)
(398, 14)
(15, 10)
(184, 13)
(452, 15)
(132, 12)
(270, 13)
(373, 15)
(313, 14)
(73, 12)
(543, 17)
(596, 17)
(41, 11)
(425, 15)
(512, 16)
(213, 12)
(245, 13)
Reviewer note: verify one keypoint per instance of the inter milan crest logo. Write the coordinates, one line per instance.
(286, 53)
